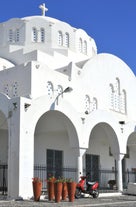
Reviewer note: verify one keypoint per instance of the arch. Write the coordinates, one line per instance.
(129, 158)
(60, 90)
(11, 34)
(34, 34)
(85, 47)
(123, 98)
(80, 45)
(66, 41)
(17, 35)
(111, 96)
(55, 122)
(87, 104)
(4, 104)
(42, 31)
(46, 105)
(50, 89)
(60, 38)
(94, 104)
(4, 132)
(117, 95)
(110, 125)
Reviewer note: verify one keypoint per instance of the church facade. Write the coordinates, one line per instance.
(62, 103)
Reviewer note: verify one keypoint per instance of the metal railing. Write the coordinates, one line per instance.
(68, 172)
(3, 178)
(129, 176)
(43, 173)
(103, 176)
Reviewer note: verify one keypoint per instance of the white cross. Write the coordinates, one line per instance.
(43, 8)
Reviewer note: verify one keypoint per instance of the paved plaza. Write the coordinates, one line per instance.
(107, 201)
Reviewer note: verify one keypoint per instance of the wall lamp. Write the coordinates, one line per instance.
(66, 90)
(121, 124)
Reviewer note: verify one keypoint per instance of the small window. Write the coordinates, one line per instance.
(87, 104)
(42, 35)
(111, 96)
(17, 35)
(60, 90)
(85, 47)
(80, 45)
(94, 104)
(50, 89)
(34, 35)
(66, 40)
(15, 89)
(10, 35)
(60, 38)
(6, 89)
(123, 102)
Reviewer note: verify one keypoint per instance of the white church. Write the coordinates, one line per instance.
(63, 107)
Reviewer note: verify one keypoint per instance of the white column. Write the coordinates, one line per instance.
(119, 169)
(80, 163)
(20, 157)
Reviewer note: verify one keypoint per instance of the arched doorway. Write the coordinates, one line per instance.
(128, 163)
(99, 159)
(55, 140)
(3, 153)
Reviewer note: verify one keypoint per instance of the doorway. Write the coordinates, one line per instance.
(54, 163)
(92, 166)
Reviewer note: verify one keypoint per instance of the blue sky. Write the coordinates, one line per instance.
(110, 22)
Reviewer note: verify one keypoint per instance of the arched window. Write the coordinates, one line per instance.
(123, 102)
(94, 104)
(117, 95)
(85, 47)
(60, 38)
(66, 43)
(80, 45)
(87, 104)
(117, 86)
(60, 90)
(15, 87)
(42, 35)
(10, 35)
(34, 35)
(6, 89)
(17, 35)
(111, 96)
(50, 89)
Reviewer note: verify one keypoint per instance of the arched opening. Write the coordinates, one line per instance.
(3, 153)
(54, 141)
(128, 163)
(99, 159)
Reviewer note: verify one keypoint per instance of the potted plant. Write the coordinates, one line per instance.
(50, 187)
(37, 188)
(71, 189)
(64, 189)
(58, 190)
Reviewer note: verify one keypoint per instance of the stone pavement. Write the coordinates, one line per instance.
(107, 201)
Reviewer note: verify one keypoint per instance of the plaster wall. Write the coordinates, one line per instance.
(54, 141)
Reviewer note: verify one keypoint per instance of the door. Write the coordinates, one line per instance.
(54, 163)
(92, 166)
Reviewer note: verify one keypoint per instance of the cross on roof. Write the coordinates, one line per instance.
(43, 9)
